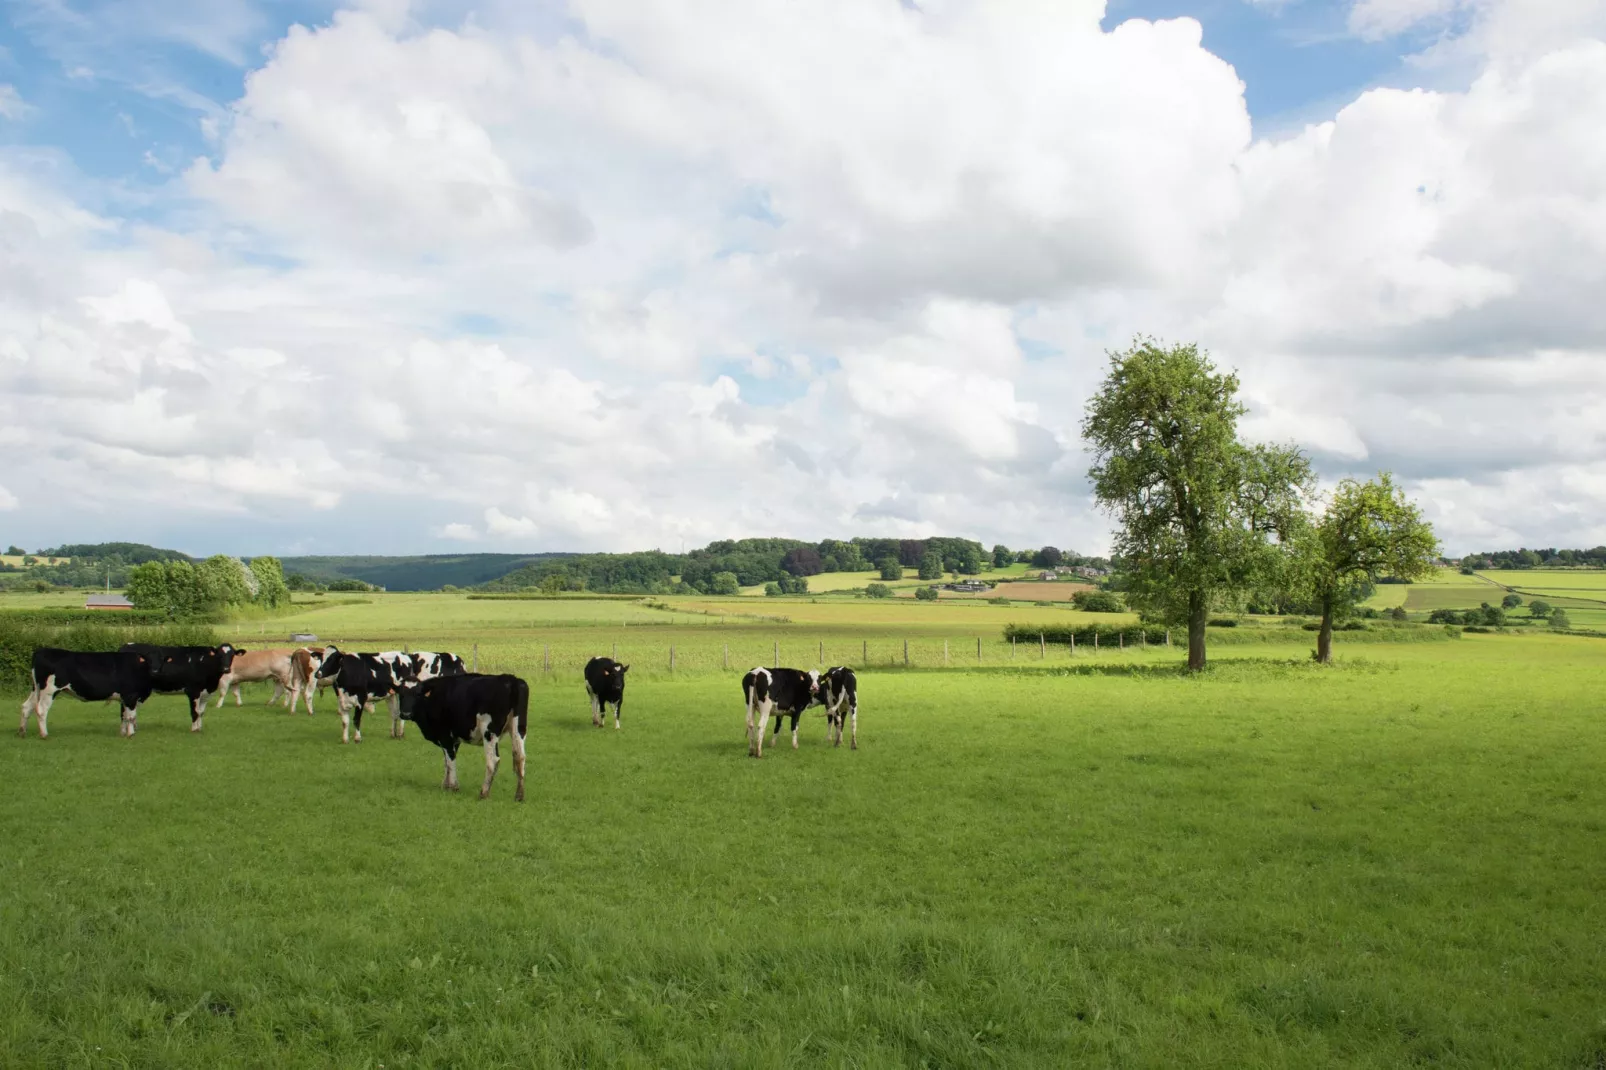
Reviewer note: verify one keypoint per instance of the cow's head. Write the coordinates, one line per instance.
(407, 698)
(330, 662)
(814, 681)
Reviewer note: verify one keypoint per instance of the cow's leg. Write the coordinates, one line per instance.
(763, 716)
(854, 711)
(451, 767)
(27, 707)
(130, 716)
(345, 717)
(795, 718)
(492, 759)
(596, 708)
(41, 707)
(617, 708)
(517, 738)
(223, 690)
(362, 703)
(197, 708)
(446, 779)
(239, 696)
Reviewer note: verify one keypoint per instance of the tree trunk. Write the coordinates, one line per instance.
(1324, 638)
(1196, 631)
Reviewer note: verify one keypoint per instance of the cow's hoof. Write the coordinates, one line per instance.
(518, 796)
(22, 733)
(484, 795)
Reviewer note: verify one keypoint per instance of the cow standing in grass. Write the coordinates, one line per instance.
(92, 677)
(193, 671)
(839, 691)
(605, 683)
(255, 666)
(471, 708)
(358, 679)
(304, 664)
(781, 692)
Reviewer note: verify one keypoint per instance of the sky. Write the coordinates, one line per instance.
(438, 276)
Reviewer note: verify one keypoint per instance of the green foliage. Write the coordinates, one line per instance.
(1047, 557)
(183, 591)
(132, 553)
(724, 583)
(21, 634)
(1559, 620)
(1083, 634)
(1368, 530)
(15, 551)
(891, 569)
(931, 566)
(1003, 556)
(878, 590)
(772, 590)
(1097, 602)
(345, 585)
(1399, 613)
(1539, 608)
(1511, 601)
(1197, 511)
(926, 594)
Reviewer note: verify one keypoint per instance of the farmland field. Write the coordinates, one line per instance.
(1074, 861)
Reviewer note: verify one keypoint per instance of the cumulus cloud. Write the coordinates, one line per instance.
(622, 278)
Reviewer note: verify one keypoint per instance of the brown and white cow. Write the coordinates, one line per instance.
(290, 670)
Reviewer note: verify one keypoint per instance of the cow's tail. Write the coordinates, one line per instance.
(521, 707)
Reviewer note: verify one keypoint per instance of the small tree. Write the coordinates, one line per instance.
(1539, 608)
(1398, 613)
(1510, 601)
(772, 590)
(926, 594)
(1197, 510)
(1003, 556)
(878, 590)
(794, 585)
(969, 560)
(724, 583)
(1368, 530)
(271, 589)
(891, 569)
(931, 566)
(1048, 557)
(147, 586)
(1559, 621)
(803, 561)
(15, 551)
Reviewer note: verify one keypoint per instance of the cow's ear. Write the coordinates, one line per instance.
(624, 668)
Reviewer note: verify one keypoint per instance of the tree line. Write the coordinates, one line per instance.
(186, 590)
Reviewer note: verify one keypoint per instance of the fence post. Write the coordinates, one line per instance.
(1042, 647)
(1120, 638)
(1012, 648)
(1143, 638)
(546, 656)
(671, 657)
(822, 651)
(775, 661)
(1168, 637)
(1095, 642)
(978, 650)
(864, 653)
(906, 653)
(1073, 644)
(476, 663)
(727, 655)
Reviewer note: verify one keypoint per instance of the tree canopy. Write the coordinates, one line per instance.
(1198, 513)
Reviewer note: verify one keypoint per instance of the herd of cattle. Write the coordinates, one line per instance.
(449, 705)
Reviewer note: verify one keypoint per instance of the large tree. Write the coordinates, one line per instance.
(1367, 531)
(1200, 514)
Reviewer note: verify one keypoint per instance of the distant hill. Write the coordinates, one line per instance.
(130, 553)
(425, 572)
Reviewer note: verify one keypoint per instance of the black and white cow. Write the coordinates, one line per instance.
(359, 679)
(784, 692)
(419, 665)
(93, 677)
(471, 708)
(839, 692)
(605, 683)
(192, 671)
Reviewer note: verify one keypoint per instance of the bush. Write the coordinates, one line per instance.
(724, 583)
(1398, 613)
(1539, 608)
(1559, 621)
(998, 601)
(19, 638)
(1222, 622)
(1510, 601)
(772, 590)
(878, 590)
(1108, 634)
(891, 569)
(926, 594)
(349, 585)
(931, 566)
(1097, 602)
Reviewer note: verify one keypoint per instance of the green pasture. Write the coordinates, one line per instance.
(1392, 861)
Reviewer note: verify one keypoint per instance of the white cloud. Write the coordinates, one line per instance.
(12, 106)
(8, 500)
(657, 280)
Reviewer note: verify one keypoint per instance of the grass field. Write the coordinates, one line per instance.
(1391, 862)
